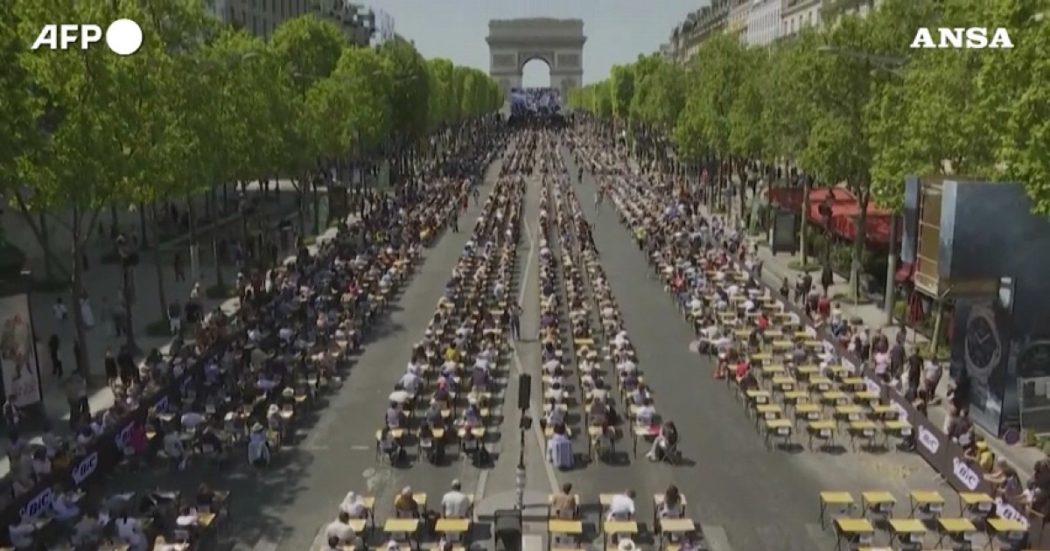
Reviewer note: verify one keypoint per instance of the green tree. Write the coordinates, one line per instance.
(621, 83)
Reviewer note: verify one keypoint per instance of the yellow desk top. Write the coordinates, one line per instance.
(677, 525)
(853, 381)
(956, 525)
(781, 344)
(820, 425)
(778, 423)
(833, 395)
(620, 527)
(866, 395)
(761, 357)
(881, 408)
(878, 497)
(773, 368)
(571, 527)
(819, 380)
(606, 499)
(907, 526)
(807, 408)
(401, 525)
(796, 395)
(757, 393)
(784, 380)
(452, 525)
(205, 519)
(808, 369)
(847, 409)
(836, 498)
(768, 408)
(927, 496)
(854, 526)
(896, 424)
(973, 498)
(358, 524)
(1003, 525)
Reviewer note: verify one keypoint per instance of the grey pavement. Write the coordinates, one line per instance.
(745, 496)
(286, 505)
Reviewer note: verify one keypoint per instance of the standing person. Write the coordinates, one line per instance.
(126, 364)
(73, 399)
(455, 221)
(109, 318)
(827, 279)
(86, 312)
(111, 366)
(120, 316)
(53, 345)
(12, 418)
(515, 320)
(60, 311)
(175, 317)
(179, 267)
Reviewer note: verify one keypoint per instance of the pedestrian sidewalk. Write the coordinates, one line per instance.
(778, 267)
(103, 281)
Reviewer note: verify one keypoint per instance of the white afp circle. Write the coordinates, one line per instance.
(124, 37)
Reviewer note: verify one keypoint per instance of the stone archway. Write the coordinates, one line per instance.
(557, 42)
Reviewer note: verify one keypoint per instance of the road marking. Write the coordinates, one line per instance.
(531, 542)
(717, 539)
(483, 481)
(265, 545)
(528, 263)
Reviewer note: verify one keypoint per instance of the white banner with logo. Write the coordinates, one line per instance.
(17, 352)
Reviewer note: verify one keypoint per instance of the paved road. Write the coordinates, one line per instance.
(746, 497)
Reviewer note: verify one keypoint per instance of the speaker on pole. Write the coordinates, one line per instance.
(524, 390)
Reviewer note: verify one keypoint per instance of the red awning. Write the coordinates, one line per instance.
(844, 210)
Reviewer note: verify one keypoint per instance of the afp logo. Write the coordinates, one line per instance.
(962, 38)
(123, 36)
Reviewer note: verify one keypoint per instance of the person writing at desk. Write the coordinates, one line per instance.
(559, 449)
(455, 504)
(673, 506)
(354, 506)
(405, 505)
(175, 450)
(340, 528)
(63, 506)
(621, 507)
(187, 518)
(563, 504)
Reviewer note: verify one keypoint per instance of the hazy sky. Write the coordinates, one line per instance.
(617, 30)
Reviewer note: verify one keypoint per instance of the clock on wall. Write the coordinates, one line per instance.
(983, 344)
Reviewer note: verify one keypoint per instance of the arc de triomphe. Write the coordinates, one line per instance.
(515, 42)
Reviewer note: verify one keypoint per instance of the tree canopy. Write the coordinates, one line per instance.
(852, 103)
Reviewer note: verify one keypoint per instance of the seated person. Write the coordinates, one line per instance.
(471, 416)
(87, 532)
(405, 505)
(559, 449)
(563, 504)
(258, 447)
(340, 528)
(393, 415)
(554, 415)
(354, 506)
(187, 518)
(433, 414)
(640, 394)
(22, 534)
(175, 450)
(673, 506)
(63, 507)
(645, 414)
(621, 507)
(664, 442)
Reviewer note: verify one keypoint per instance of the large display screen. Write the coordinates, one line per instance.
(535, 102)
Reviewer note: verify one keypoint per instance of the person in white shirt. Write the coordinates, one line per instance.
(410, 382)
(354, 506)
(187, 518)
(64, 508)
(645, 414)
(340, 528)
(129, 532)
(621, 507)
(455, 504)
(258, 446)
(191, 420)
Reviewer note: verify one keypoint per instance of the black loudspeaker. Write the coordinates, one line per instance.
(524, 390)
(507, 530)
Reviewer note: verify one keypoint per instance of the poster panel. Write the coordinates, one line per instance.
(18, 352)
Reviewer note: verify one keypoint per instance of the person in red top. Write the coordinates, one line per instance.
(824, 306)
(763, 322)
(741, 370)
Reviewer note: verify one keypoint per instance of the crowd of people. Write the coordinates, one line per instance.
(245, 377)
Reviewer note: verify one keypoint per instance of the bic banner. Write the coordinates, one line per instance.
(18, 352)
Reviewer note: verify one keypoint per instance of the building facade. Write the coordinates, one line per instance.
(763, 22)
(796, 15)
(260, 17)
(737, 24)
(698, 26)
